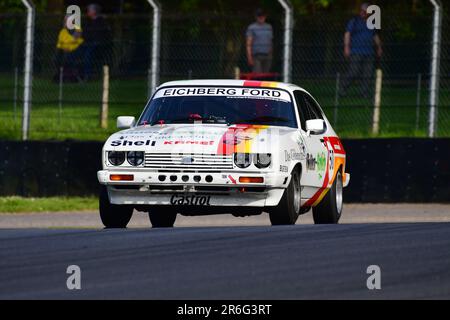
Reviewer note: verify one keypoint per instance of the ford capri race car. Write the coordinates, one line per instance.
(224, 146)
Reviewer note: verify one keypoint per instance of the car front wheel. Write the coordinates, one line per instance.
(329, 210)
(160, 218)
(288, 210)
(113, 215)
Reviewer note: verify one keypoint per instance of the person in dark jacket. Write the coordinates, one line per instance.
(96, 35)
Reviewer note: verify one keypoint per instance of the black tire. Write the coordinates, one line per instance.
(112, 215)
(286, 212)
(161, 218)
(328, 211)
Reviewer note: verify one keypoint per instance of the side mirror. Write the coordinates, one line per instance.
(315, 126)
(125, 122)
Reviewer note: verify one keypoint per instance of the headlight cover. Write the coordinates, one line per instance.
(135, 158)
(116, 158)
(242, 160)
(262, 160)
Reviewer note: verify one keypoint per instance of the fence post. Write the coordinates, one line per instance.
(377, 103)
(287, 50)
(237, 73)
(156, 44)
(28, 70)
(336, 98)
(418, 98)
(60, 93)
(105, 99)
(16, 84)
(434, 66)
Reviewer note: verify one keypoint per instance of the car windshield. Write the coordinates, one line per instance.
(220, 105)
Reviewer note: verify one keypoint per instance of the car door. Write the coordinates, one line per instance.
(313, 174)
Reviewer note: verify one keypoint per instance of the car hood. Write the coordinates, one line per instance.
(199, 138)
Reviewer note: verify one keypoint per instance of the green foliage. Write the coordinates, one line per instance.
(14, 6)
(11, 6)
(52, 204)
(405, 31)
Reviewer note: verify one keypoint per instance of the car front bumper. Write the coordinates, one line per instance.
(222, 189)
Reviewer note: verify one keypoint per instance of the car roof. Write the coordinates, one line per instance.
(234, 83)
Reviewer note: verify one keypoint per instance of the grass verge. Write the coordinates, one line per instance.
(17, 204)
(404, 112)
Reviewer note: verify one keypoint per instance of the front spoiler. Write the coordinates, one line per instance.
(234, 198)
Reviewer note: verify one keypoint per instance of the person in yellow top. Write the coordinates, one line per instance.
(69, 47)
(69, 40)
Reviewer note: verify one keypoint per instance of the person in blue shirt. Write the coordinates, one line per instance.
(259, 44)
(359, 43)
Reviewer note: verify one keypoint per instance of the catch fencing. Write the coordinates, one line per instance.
(68, 98)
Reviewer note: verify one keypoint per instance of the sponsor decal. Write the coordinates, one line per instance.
(117, 143)
(203, 143)
(302, 147)
(283, 168)
(321, 161)
(244, 92)
(292, 155)
(192, 91)
(310, 162)
(329, 175)
(190, 200)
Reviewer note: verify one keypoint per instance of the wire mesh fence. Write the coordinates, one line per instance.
(68, 86)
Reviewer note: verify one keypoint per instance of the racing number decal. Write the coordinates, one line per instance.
(335, 159)
(330, 157)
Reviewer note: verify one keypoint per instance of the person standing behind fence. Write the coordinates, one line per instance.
(96, 35)
(68, 52)
(359, 43)
(259, 44)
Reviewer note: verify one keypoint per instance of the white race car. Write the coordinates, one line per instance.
(224, 146)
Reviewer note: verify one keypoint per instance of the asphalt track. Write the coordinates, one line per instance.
(222, 262)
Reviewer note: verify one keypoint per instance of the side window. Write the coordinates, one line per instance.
(307, 108)
(298, 95)
(313, 107)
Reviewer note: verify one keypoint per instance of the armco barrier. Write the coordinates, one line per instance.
(382, 170)
(44, 168)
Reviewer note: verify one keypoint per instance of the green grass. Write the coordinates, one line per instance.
(16, 204)
(78, 117)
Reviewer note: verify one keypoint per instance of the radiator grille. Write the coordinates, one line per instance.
(188, 161)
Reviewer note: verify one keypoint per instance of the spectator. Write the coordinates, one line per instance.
(68, 53)
(259, 44)
(96, 35)
(359, 50)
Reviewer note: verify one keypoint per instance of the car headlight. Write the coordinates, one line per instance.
(262, 160)
(242, 160)
(135, 158)
(116, 158)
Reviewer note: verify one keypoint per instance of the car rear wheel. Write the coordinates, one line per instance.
(329, 210)
(112, 215)
(160, 218)
(288, 210)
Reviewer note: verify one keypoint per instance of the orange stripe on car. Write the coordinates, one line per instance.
(266, 84)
